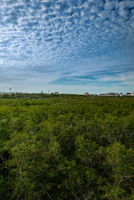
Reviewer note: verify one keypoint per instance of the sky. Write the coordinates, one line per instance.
(68, 46)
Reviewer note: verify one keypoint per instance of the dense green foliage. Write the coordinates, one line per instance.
(28, 95)
(67, 148)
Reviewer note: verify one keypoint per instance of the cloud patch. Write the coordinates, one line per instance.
(64, 35)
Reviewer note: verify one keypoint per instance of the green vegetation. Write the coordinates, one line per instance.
(67, 148)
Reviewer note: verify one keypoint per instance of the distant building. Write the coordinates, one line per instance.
(129, 94)
(93, 94)
(56, 93)
(114, 94)
(86, 94)
(110, 94)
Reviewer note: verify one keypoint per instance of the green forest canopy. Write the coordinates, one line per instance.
(67, 148)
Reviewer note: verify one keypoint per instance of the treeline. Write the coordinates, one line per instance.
(22, 95)
(67, 148)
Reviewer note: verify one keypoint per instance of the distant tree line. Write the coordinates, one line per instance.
(27, 95)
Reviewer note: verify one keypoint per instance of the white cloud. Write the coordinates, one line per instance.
(60, 34)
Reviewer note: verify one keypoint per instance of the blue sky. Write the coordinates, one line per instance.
(69, 46)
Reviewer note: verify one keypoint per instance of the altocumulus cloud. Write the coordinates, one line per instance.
(60, 43)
